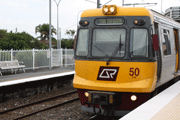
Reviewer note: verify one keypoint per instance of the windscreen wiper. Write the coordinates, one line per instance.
(115, 51)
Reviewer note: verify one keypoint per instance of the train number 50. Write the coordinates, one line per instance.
(134, 72)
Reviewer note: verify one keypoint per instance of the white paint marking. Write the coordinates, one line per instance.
(24, 80)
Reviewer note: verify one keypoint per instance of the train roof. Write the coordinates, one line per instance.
(121, 11)
(133, 11)
(160, 18)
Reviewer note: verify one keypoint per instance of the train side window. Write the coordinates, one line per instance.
(166, 42)
(139, 43)
(82, 42)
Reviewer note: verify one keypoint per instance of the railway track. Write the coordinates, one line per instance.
(99, 117)
(31, 109)
(94, 117)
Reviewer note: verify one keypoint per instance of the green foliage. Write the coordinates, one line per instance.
(18, 41)
(3, 33)
(67, 43)
(70, 33)
(43, 30)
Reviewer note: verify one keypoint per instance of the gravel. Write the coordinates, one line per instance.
(70, 111)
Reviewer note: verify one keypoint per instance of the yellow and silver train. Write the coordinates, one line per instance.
(122, 55)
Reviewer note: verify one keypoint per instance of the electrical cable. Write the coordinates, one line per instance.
(108, 2)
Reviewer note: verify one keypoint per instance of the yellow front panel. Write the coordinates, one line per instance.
(144, 81)
(121, 11)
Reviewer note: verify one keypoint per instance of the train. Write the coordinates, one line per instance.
(122, 56)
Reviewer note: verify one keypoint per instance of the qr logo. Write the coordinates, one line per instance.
(108, 73)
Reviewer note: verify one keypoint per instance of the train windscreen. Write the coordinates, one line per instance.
(107, 41)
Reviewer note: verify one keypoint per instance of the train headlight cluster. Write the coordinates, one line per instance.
(84, 23)
(105, 9)
(112, 9)
(139, 22)
(86, 94)
(133, 97)
(109, 9)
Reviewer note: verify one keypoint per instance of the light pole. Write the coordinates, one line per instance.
(57, 31)
(122, 2)
(161, 6)
(50, 39)
(98, 4)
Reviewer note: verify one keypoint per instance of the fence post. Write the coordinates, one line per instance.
(51, 57)
(65, 57)
(11, 54)
(61, 56)
(0, 55)
(33, 54)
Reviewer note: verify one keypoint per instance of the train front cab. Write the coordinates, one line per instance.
(115, 63)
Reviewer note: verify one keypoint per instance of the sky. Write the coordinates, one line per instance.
(25, 15)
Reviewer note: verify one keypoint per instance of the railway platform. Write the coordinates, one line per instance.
(164, 106)
(35, 75)
(22, 85)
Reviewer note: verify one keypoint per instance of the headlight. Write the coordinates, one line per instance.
(86, 94)
(133, 97)
(105, 9)
(109, 9)
(139, 22)
(112, 9)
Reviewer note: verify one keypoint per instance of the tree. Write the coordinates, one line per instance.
(67, 43)
(70, 33)
(44, 31)
(18, 41)
(3, 33)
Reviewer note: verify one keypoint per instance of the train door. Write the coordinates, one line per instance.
(158, 53)
(177, 44)
(168, 55)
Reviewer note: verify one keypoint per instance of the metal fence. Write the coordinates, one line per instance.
(35, 58)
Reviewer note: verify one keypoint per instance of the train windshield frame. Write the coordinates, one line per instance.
(133, 44)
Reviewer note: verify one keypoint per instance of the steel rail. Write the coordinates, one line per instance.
(54, 106)
(94, 117)
(38, 102)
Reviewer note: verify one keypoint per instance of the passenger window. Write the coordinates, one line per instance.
(82, 42)
(166, 42)
(139, 43)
